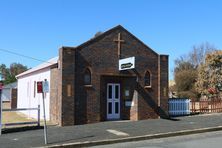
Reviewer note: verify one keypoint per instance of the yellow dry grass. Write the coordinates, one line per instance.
(15, 116)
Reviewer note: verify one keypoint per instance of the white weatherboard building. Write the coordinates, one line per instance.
(27, 89)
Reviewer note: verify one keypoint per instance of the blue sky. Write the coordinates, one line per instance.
(37, 28)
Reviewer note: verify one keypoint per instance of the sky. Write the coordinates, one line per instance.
(38, 28)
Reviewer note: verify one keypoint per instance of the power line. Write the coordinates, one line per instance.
(25, 56)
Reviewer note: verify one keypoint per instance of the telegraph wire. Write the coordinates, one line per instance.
(25, 56)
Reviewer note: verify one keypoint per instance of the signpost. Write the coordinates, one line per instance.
(1, 86)
(43, 87)
(127, 63)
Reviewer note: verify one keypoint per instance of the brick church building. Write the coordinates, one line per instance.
(113, 76)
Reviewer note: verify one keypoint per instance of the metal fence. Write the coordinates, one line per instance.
(179, 106)
(206, 106)
(23, 123)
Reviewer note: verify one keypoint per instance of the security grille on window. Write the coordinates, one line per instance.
(87, 77)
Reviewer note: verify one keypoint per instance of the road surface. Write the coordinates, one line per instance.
(203, 140)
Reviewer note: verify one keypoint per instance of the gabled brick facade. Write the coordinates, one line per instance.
(77, 103)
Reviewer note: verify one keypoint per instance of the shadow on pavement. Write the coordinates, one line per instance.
(172, 119)
(20, 129)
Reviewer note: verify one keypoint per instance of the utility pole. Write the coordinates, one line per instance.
(1, 86)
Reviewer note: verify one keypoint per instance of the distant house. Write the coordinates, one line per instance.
(7, 91)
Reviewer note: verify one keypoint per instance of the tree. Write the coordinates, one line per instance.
(209, 80)
(2, 70)
(185, 76)
(8, 74)
(198, 53)
(16, 68)
(186, 70)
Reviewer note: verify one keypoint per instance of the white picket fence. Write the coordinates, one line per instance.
(179, 107)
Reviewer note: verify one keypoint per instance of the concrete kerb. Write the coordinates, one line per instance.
(136, 138)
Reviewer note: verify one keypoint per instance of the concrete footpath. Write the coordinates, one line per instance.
(112, 132)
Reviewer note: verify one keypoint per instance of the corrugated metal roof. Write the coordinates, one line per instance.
(49, 63)
(11, 85)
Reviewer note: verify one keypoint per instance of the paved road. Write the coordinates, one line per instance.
(107, 131)
(204, 140)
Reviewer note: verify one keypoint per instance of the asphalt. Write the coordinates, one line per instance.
(95, 134)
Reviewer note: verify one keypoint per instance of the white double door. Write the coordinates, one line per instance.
(113, 101)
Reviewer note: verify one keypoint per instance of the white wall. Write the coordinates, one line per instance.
(26, 98)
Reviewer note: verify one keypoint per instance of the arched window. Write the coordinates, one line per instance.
(147, 79)
(87, 77)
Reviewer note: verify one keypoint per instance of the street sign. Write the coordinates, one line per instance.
(45, 86)
(127, 63)
(39, 87)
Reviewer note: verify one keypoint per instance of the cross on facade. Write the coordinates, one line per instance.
(119, 41)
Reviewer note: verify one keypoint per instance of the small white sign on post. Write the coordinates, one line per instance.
(45, 85)
(127, 63)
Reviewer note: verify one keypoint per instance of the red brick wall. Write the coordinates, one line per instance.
(54, 106)
(164, 86)
(66, 86)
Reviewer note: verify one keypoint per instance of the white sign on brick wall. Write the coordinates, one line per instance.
(127, 63)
